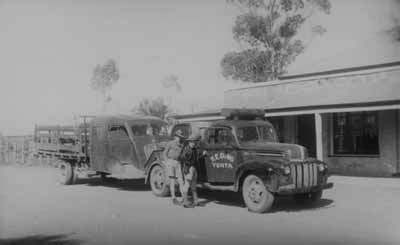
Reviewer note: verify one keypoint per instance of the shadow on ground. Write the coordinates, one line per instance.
(288, 204)
(281, 204)
(227, 198)
(121, 184)
(41, 240)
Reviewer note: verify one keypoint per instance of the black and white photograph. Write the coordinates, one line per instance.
(200, 122)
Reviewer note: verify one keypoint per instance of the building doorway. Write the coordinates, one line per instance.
(306, 133)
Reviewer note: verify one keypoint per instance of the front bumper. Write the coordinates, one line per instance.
(290, 189)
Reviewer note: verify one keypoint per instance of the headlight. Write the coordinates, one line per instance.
(321, 167)
(286, 170)
(305, 153)
(287, 154)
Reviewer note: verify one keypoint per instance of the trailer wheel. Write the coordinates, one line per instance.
(158, 181)
(66, 173)
(256, 196)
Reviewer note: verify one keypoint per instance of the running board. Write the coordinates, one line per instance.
(217, 187)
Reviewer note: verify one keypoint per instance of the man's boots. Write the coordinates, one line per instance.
(176, 201)
(186, 202)
(195, 198)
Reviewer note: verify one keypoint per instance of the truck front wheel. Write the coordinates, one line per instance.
(158, 181)
(256, 196)
(66, 172)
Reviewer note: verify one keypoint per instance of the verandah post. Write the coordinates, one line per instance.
(318, 136)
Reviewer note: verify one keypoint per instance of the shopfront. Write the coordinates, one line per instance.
(348, 118)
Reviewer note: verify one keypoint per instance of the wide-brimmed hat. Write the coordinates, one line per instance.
(194, 137)
(179, 133)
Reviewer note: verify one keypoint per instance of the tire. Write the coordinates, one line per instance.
(255, 194)
(158, 182)
(66, 173)
(308, 198)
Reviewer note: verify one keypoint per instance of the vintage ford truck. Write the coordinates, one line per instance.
(243, 155)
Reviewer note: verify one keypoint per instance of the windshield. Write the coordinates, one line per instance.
(260, 133)
(149, 130)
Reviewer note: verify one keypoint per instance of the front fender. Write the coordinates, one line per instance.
(265, 170)
(155, 158)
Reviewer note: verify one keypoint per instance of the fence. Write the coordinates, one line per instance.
(20, 150)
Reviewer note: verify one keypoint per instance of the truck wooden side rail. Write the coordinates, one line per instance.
(63, 142)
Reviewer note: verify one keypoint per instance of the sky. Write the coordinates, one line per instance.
(48, 50)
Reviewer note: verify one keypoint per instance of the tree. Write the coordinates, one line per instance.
(153, 107)
(171, 87)
(394, 31)
(103, 78)
(266, 31)
(171, 82)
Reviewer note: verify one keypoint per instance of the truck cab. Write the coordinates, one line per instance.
(242, 153)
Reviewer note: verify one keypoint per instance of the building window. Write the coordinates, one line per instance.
(355, 133)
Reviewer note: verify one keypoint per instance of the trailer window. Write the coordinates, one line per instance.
(118, 128)
(139, 130)
(117, 132)
(158, 130)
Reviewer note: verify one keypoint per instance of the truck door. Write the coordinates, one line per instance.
(221, 159)
(143, 137)
(119, 146)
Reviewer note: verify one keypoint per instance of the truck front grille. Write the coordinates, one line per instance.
(304, 174)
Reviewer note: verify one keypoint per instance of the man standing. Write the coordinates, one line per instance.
(171, 153)
(189, 158)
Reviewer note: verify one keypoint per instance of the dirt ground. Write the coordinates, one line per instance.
(36, 210)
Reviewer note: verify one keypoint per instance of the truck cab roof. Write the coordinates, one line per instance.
(238, 123)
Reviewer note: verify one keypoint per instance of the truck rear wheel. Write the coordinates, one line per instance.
(66, 172)
(256, 196)
(158, 181)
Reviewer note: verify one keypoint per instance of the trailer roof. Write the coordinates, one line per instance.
(132, 119)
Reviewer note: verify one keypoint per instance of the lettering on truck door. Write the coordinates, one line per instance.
(221, 160)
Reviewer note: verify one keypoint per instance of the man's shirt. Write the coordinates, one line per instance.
(189, 156)
(173, 149)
